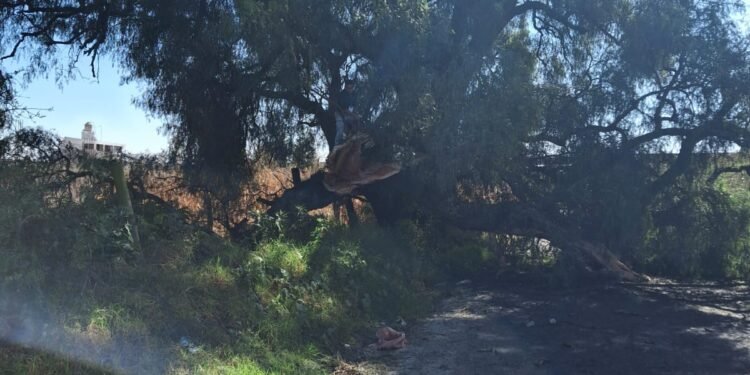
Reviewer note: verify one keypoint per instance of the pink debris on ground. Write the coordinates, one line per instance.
(389, 338)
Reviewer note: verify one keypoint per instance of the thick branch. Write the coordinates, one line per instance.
(507, 218)
(538, 6)
(297, 99)
(713, 128)
(720, 171)
(309, 195)
(520, 219)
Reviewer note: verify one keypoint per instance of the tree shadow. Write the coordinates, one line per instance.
(599, 330)
(632, 329)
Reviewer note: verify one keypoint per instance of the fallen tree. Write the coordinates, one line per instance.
(510, 218)
(572, 104)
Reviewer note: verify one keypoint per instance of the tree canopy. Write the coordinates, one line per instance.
(564, 119)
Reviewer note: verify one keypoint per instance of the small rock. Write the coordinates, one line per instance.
(530, 324)
(463, 282)
(552, 321)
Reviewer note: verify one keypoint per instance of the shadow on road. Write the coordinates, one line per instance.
(623, 329)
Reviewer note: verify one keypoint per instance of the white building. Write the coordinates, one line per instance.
(90, 145)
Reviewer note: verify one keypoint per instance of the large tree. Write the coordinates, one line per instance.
(540, 118)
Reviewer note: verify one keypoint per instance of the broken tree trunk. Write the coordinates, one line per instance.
(310, 195)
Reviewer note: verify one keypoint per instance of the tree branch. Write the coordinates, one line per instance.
(720, 171)
(538, 6)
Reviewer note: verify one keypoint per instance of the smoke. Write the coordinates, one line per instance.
(31, 325)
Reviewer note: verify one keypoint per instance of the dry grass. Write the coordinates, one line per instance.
(268, 184)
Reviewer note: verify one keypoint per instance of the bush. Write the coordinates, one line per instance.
(697, 232)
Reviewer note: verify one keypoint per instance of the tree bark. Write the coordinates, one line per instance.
(208, 205)
(511, 218)
(351, 213)
(309, 195)
(122, 196)
(521, 219)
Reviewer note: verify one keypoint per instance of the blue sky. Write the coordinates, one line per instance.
(102, 101)
(108, 105)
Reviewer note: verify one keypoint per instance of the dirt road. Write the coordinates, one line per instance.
(660, 328)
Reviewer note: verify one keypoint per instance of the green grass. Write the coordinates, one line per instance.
(18, 360)
(282, 305)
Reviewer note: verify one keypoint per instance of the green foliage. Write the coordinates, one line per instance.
(460, 255)
(279, 303)
(698, 231)
(18, 360)
(378, 272)
(567, 108)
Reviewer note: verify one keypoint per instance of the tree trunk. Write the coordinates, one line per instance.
(309, 195)
(209, 207)
(520, 219)
(392, 199)
(122, 197)
(337, 212)
(351, 213)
